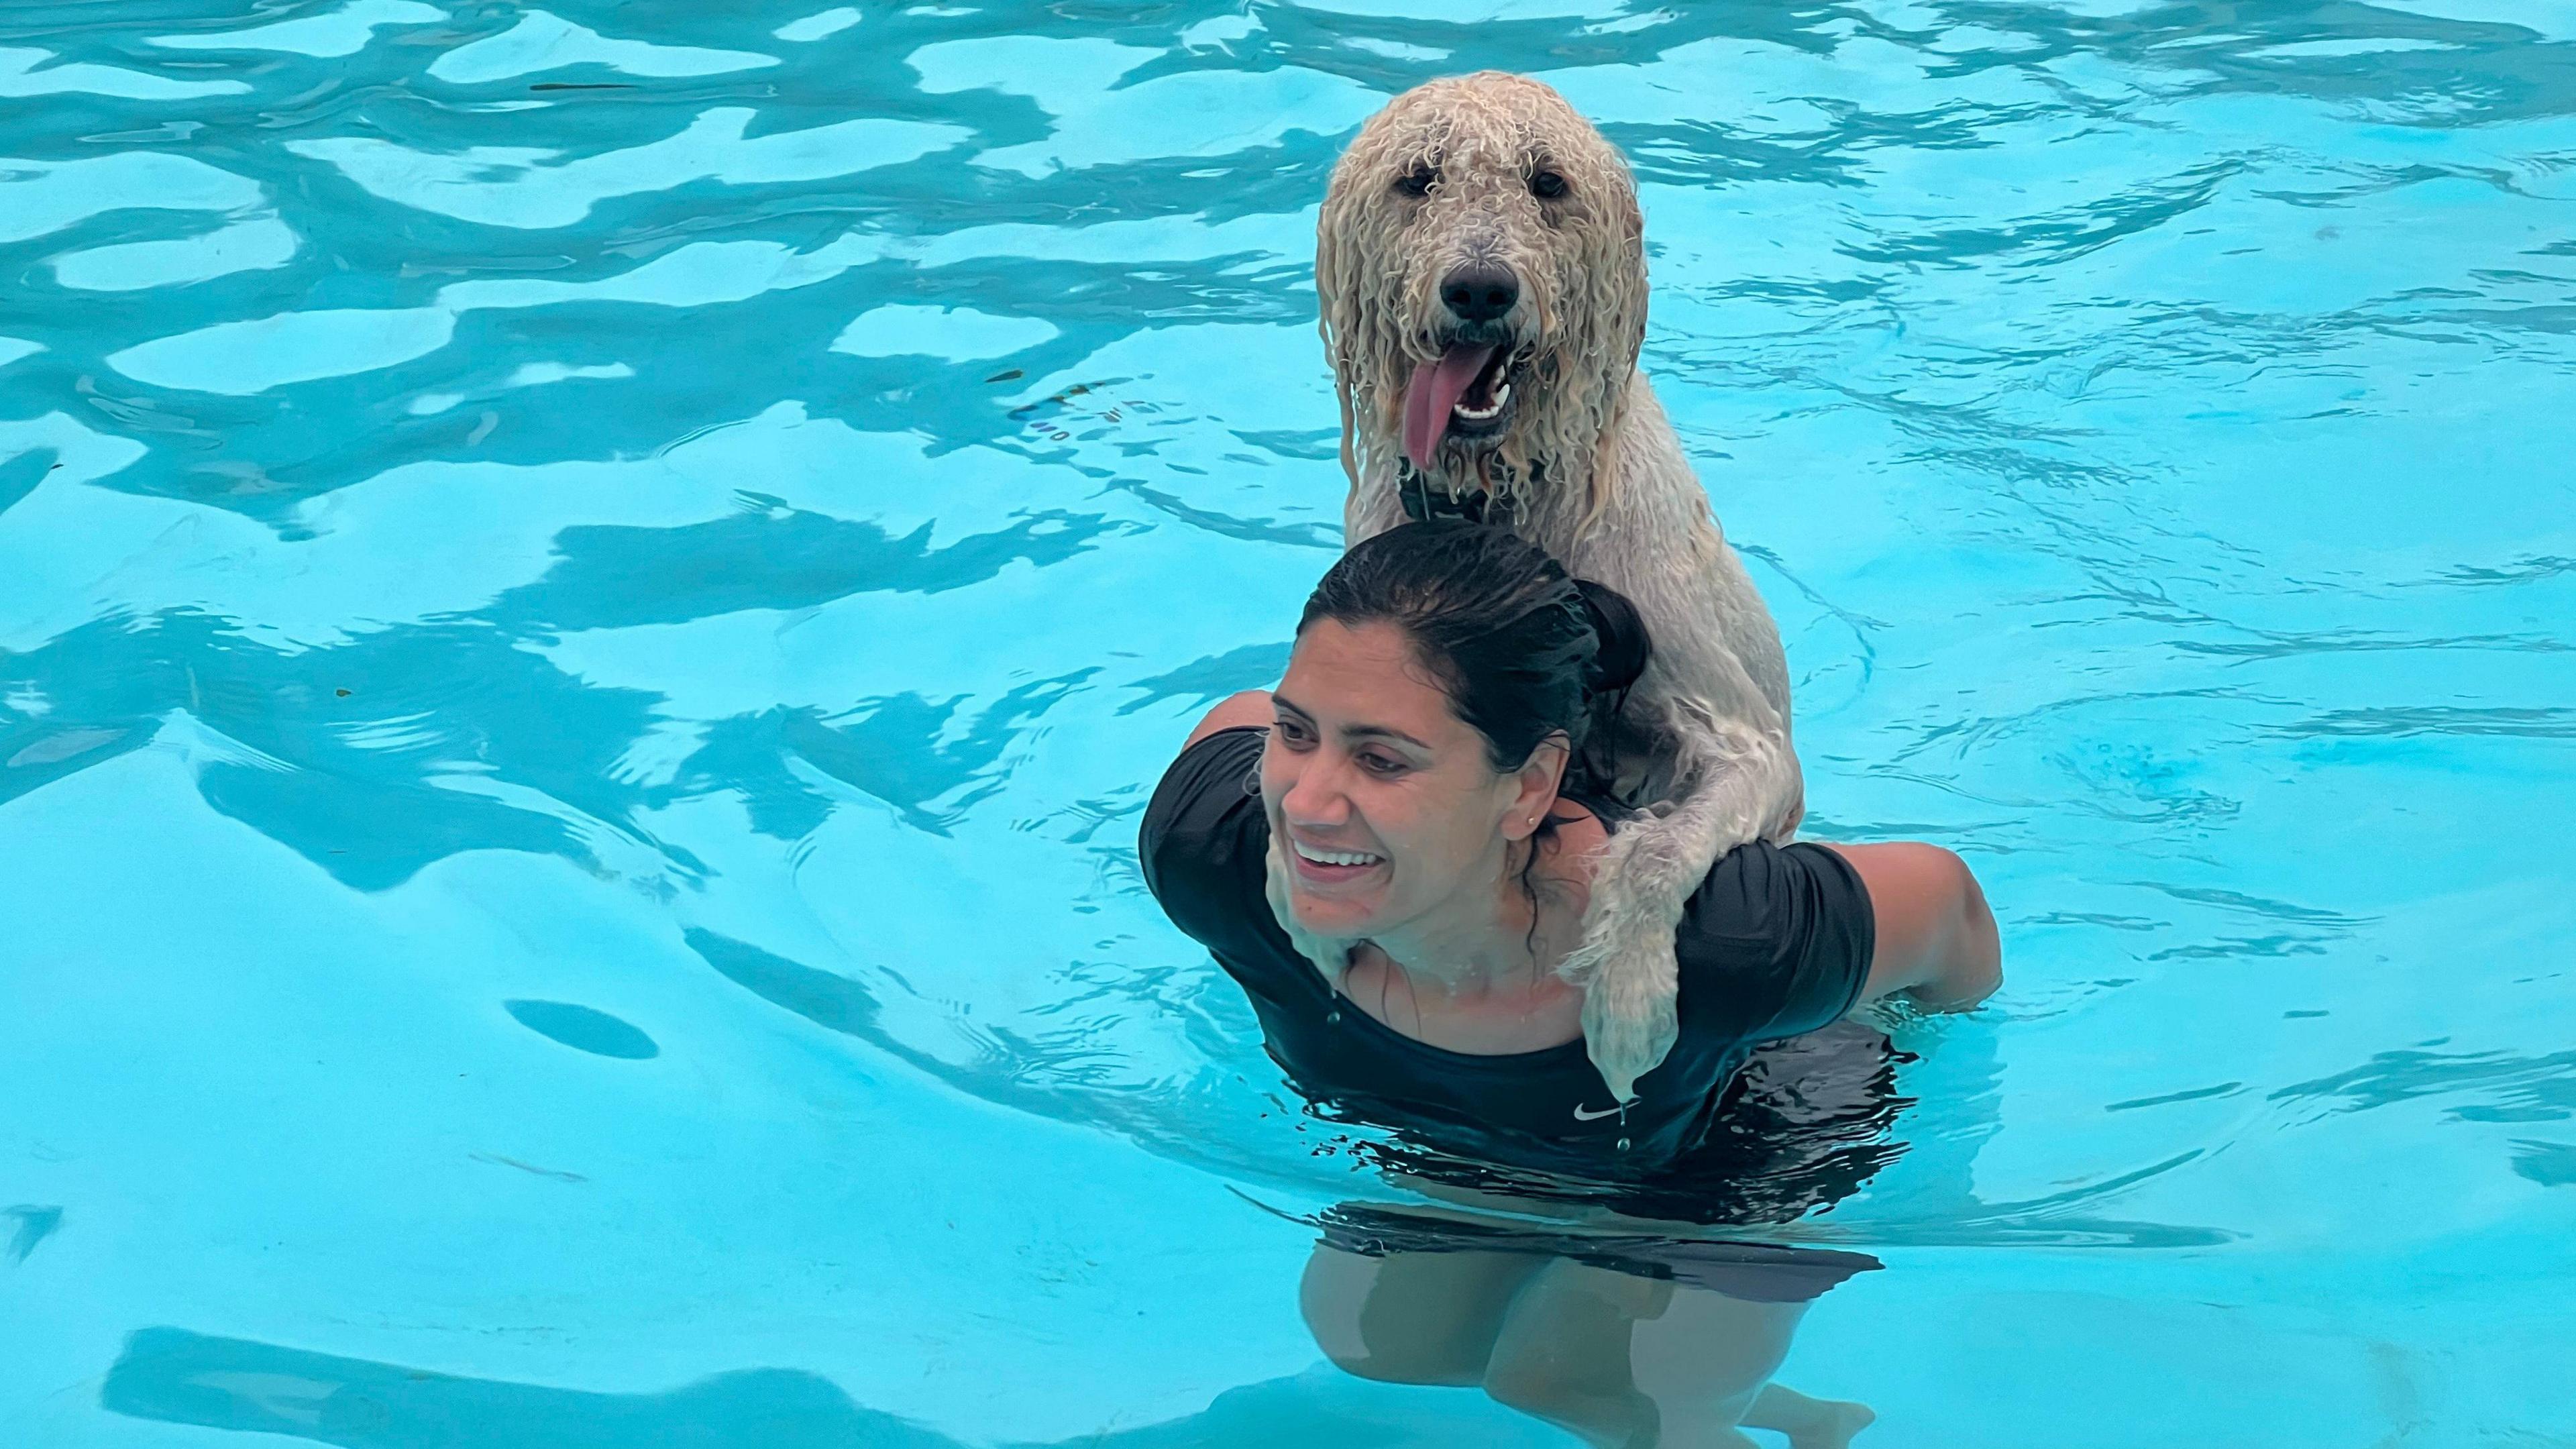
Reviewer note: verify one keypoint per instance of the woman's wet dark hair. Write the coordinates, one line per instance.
(1522, 649)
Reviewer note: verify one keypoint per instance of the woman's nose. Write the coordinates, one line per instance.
(1314, 797)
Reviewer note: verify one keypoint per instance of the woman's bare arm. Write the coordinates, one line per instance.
(1936, 938)
(1251, 707)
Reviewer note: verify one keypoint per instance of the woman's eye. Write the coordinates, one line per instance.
(1289, 732)
(1417, 182)
(1546, 185)
(1381, 764)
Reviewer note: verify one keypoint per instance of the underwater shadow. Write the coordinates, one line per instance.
(178, 1377)
(173, 1376)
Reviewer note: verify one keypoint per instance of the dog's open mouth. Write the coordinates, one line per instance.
(1465, 394)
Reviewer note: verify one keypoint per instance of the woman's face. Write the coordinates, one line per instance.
(1383, 801)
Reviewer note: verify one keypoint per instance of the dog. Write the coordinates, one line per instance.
(1481, 267)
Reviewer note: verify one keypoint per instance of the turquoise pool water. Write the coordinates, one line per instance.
(589, 595)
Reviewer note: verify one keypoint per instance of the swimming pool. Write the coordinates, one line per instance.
(589, 596)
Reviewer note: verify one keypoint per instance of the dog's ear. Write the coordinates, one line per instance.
(1337, 299)
(1355, 314)
(1618, 267)
(1612, 304)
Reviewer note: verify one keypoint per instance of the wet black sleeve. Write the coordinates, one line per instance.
(1203, 843)
(1777, 941)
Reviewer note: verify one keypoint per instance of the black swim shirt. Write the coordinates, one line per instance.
(1775, 942)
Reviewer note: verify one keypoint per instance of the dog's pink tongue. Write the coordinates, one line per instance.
(1436, 388)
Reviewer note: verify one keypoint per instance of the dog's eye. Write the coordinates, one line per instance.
(1417, 182)
(1546, 185)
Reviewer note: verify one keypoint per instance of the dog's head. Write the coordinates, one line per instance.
(1482, 269)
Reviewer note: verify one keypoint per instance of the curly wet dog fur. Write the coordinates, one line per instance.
(1494, 171)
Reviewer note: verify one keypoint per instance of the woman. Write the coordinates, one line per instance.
(1419, 785)
(1406, 788)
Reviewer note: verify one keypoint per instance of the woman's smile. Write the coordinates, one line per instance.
(1325, 866)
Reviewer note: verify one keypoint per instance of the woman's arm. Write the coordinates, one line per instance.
(1252, 707)
(1936, 938)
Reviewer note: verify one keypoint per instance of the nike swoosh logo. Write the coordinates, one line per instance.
(1582, 1116)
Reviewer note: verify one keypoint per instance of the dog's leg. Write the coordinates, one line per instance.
(1646, 874)
(1789, 811)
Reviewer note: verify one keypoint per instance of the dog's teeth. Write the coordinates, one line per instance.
(1492, 409)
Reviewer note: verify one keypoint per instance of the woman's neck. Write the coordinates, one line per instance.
(1488, 941)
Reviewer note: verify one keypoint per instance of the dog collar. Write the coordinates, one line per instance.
(1422, 505)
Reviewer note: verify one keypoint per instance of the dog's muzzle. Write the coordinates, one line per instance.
(1464, 394)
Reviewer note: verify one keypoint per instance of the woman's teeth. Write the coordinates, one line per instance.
(1487, 413)
(1333, 857)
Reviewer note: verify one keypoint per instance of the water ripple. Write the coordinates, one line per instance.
(701, 525)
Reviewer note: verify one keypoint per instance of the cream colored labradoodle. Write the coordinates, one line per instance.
(1482, 270)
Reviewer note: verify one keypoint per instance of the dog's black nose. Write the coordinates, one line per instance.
(1480, 293)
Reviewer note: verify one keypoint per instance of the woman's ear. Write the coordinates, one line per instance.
(1537, 781)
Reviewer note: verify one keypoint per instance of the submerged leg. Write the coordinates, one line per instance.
(1410, 1318)
(1637, 1363)
(1810, 1423)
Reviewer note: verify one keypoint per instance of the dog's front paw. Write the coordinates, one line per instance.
(1628, 1008)
(1630, 980)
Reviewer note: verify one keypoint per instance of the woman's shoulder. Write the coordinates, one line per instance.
(1776, 941)
(1214, 770)
(1203, 839)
